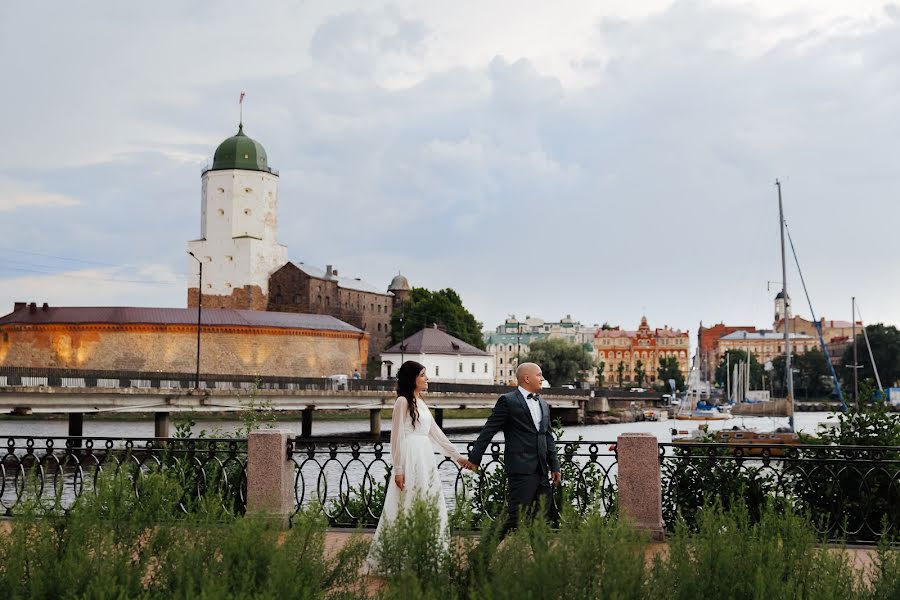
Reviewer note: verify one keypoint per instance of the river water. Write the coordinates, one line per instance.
(455, 428)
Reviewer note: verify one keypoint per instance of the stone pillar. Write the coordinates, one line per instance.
(162, 425)
(76, 427)
(640, 484)
(439, 417)
(306, 423)
(270, 475)
(375, 422)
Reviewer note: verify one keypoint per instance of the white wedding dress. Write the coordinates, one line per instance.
(412, 455)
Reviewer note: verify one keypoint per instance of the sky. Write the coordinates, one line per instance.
(604, 160)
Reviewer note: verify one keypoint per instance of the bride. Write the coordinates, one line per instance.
(414, 465)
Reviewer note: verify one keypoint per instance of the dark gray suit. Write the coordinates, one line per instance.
(530, 453)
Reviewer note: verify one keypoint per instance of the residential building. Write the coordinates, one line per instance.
(445, 358)
(765, 345)
(708, 343)
(616, 346)
(510, 342)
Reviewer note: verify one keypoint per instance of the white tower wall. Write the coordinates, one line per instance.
(238, 231)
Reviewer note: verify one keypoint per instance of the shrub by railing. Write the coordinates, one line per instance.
(57, 470)
(850, 492)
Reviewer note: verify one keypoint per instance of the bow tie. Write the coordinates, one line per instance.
(533, 397)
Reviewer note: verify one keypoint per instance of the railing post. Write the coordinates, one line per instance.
(640, 484)
(162, 425)
(306, 422)
(270, 474)
(375, 422)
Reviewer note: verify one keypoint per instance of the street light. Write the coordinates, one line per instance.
(199, 314)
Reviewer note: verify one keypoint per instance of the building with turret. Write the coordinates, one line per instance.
(245, 267)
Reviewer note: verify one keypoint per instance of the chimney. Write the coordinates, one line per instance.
(330, 273)
(45, 307)
(19, 306)
(32, 308)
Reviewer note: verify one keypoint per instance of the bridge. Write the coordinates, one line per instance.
(76, 393)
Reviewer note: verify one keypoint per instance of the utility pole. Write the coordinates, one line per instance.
(199, 316)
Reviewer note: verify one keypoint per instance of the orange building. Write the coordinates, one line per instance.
(708, 340)
(614, 347)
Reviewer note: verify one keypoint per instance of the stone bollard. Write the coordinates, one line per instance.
(640, 485)
(270, 475)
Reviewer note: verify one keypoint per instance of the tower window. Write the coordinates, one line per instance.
(221, 212)
(248, 190)
(230, 258)
(246, 211)
(221, 190)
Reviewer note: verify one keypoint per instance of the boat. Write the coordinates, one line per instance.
(693, 407)
(655, 414)
(746, 442)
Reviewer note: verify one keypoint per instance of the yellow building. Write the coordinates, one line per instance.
(616, 346)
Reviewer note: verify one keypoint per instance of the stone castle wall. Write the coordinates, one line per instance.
(249, 297)
(223, 350)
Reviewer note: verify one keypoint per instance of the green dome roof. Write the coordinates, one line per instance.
(240, 152)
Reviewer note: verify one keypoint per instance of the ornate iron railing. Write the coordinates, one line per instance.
(55, 471)
(851, 493)
(349, 479)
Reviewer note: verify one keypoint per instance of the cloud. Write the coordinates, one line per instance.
(602, 160)
(18, 194)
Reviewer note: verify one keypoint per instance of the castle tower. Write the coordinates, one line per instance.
(400, 288)
(782, 308)
(238, 242)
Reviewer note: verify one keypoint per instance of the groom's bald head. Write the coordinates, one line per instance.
(529, 377)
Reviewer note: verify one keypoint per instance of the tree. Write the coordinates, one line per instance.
(601, 366)
(620, 371)
(885, 342)
(639, 372)
(733, 357)
(561, 361)
(444, 307)
(669, 369)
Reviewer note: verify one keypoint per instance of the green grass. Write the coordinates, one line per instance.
(112, 545)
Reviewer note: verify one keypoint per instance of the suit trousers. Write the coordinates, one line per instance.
(524, 495)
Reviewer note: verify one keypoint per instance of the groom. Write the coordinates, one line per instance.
(530, 448)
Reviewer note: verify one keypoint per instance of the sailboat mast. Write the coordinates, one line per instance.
(788, 373)
(855, 359)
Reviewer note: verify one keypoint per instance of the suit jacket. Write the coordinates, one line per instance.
(527, 448)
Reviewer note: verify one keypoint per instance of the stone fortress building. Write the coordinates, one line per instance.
(260, 313)
(244, 265)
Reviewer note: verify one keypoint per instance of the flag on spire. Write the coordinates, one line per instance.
(241, 101)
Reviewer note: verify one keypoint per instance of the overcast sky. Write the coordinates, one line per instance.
(599, 159)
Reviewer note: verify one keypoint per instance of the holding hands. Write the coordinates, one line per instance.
(466, 464)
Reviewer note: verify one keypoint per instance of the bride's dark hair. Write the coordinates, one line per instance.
(406, 385)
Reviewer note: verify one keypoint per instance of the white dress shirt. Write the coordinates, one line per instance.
(534, 406)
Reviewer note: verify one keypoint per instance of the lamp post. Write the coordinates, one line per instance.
(199, 315)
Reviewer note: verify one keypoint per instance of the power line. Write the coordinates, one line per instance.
(78, 260)
(88, 278)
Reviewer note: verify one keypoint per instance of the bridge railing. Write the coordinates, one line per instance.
(83, 378)
(55, 471)
(852, 493)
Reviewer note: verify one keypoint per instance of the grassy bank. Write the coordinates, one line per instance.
(112, 545)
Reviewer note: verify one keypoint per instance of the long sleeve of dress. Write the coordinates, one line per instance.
(398, 432)
(437, 436)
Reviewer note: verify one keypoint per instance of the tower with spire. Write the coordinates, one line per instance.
(238, 243)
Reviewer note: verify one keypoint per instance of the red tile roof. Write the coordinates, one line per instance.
(126, 315)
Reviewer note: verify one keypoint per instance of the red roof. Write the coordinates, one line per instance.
(127, 315)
